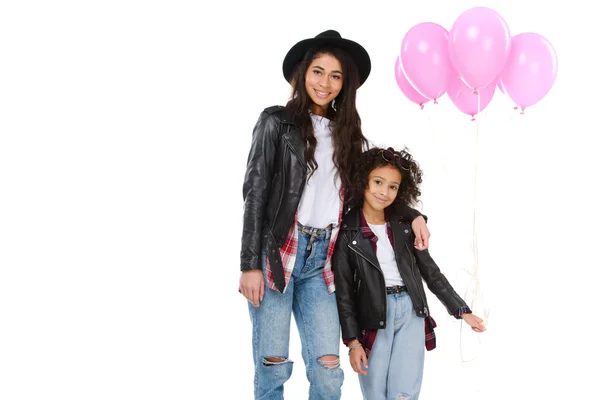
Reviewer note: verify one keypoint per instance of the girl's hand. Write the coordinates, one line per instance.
(419, 227)
(474, 322)
(358, 355)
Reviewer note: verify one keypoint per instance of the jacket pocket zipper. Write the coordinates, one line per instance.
(417, 281)
(282, 188)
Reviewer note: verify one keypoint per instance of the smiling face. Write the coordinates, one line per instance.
(384, 183)
(323, 81)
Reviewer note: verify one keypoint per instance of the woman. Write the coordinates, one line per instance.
(300, 162)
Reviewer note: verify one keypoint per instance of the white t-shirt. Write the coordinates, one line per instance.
(386, 256)
(320, 202)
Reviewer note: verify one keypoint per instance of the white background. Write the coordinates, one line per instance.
(124, 129)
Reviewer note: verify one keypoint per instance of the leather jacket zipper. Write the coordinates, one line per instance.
(366, 259)
(293, 150)
(287, 147)
(282, 190)
(378, 269)
(417, 279)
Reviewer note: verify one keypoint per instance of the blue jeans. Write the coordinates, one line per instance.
(397, 358)
(315, 313)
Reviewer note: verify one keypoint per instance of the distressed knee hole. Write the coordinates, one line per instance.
(403, 396)
(330, 362)
(273, 361)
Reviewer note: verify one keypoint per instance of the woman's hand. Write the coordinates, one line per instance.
(419, 227)
(252, 286)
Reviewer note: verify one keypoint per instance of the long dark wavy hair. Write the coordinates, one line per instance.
(348, 139)
(408, 193)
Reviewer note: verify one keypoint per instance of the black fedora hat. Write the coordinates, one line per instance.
(334, 39)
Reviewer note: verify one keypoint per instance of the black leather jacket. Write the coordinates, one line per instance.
(273, 185)
(359, 281)
(275, 175)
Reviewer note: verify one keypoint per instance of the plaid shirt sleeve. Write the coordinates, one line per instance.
(328, 270)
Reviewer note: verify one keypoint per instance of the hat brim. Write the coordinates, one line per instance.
(357, 52)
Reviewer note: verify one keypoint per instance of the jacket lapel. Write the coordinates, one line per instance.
(358, 243)
(296, 145)
(364, 248)
(292, 139)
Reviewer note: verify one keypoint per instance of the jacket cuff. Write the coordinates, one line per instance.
(462, 310)
(251, 264)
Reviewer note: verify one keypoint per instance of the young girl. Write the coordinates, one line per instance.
(300, 163)
(381, 301)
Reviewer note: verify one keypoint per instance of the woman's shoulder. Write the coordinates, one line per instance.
(276, 114)
(271, 120)
(274, 109)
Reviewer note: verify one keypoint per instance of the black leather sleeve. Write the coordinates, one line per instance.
(344, 289)
(437, 282)
(257, 181)
(407, 213)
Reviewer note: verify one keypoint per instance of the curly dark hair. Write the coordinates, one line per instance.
(348, 138)
(377, 157)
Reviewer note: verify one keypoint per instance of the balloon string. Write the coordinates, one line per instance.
(475, 249)
(473, 285)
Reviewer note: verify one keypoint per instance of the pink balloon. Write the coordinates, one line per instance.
(424, 58)
(479, 44)
(466, 99)
(405, 86)
(531, 69)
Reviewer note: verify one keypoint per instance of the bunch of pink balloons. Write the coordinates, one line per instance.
(468, 62)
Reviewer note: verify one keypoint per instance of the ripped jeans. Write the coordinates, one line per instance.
(315, 313)
(398, 354)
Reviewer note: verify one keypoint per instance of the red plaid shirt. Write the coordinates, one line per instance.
(367, 338)
(290, 248)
